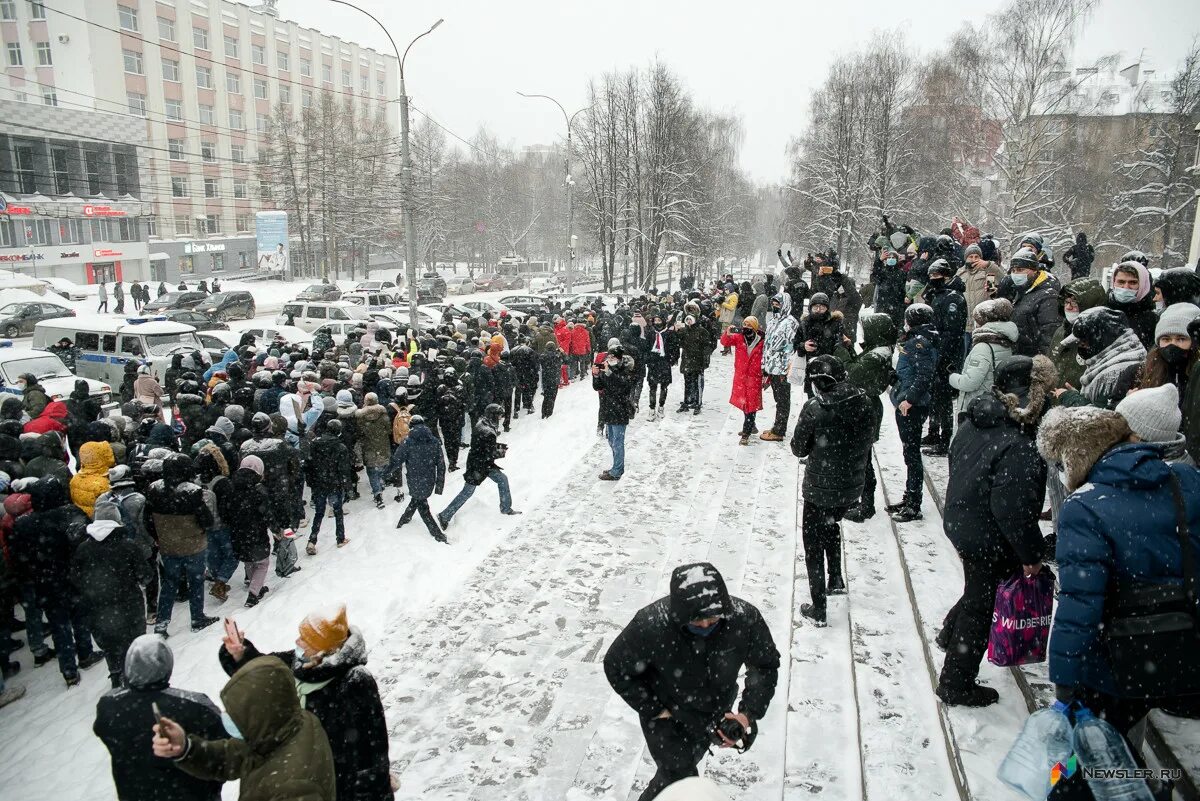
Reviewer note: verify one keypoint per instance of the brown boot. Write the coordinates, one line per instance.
(770, 436)
(744, 439)
(219, 590)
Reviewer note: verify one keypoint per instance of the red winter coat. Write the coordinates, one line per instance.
(746, 393)
(52, 418)
(563, 335)
(965, 233)
(581, 341)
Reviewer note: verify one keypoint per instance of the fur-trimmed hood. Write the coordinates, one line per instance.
(351, 654)
(1076, 437)
(1043, 378)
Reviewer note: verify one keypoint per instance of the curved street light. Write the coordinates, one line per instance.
(406, 166)
(570, 121)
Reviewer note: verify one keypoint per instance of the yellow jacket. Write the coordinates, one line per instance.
(95, 459)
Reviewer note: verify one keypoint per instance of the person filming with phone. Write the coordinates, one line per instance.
(677, 665)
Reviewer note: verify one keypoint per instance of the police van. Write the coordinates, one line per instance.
(107, 343)
(52, 374)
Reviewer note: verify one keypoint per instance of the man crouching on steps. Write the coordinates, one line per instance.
(677, 665)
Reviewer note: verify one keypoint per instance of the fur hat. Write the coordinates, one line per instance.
(325, 631)
(996, 310)
(1077, 436)
(1034, 378)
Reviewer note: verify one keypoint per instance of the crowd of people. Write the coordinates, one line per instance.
(1032, 388)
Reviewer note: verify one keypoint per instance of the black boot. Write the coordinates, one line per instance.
(836, 586)
(932, 438)
(813, 614)
(974, 695)
(907, 514)
(378, 500)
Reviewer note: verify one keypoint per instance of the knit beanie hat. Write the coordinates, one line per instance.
(978, 251)
(1175, 319)
(898, 240)
(235, 413)
(326, 630)
(995, 310)
(120, 476)
(344, 399)
(1153, 414)
(253, 463)
(224, 425)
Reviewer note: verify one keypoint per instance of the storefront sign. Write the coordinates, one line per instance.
(74, 254)
(17, 210)
(21, 256)
(101, 211)
(203, 247)
(104, 253)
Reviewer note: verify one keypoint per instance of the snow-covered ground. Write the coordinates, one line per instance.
(488, 652)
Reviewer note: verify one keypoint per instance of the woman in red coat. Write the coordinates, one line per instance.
(581, 350)
(52, 418)
(746, 393)
(562, 333)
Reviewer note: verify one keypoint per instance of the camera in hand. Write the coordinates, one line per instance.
(730, 728)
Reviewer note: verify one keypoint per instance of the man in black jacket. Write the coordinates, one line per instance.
(834, 433)
(551, 363)
(481, 464)
(696, 344)
(525, 370)
(943, 292)
(124, 721)
(41, 544)
(330, 471)
(614, 382)
(178, 520)
(997, 485)
(677, 663)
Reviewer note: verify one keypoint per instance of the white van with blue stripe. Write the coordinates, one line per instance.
(106, 343)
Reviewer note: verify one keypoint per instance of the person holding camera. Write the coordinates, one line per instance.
(614, 382)
(677, 663)
(481, 464)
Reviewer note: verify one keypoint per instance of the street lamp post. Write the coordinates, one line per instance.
(407, 207)
(570, 183)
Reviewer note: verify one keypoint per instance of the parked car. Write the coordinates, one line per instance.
(18, 319)
(229, 306)
(320, 292)
(369, 299)
(430, 289)
(65, 289)
(175, 300)
(217, 341)
(459, 285)
(311, 315)
(456, 310)
(51, 373)
(200, 320)
(489, 282)
(399, 318)
(375, 286)
(494, 308)
(545, 282)
(528, 304)
(266, 334)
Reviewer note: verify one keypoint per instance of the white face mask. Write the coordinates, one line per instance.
(1019, 279)
(1071, 316)
(1159, 305)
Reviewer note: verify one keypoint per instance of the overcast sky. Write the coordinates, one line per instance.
(758, 58)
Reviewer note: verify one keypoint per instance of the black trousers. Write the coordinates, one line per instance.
(781, 390)
(507, 402)
(453, 439)
(822, 538)
(114, 658)
(909, 428)
(525, 394)
(748, 423)
(675, 751)
(422, 507)
(658, 392)
(941, 407)
(691, 390)
(549, 394)
(970, 619)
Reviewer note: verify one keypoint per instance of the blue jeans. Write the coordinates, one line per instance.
(221, 561)
(468, 490)
(616, 440)
(70, 633)
(375, 476)
(334, 499)
(172, 567)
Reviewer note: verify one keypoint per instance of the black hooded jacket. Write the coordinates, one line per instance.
(834, 432)
(44, 540)
(656, 663)
(176, 515)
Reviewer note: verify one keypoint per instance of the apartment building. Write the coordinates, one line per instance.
(205, 76)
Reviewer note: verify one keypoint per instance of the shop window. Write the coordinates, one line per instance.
(185, 265)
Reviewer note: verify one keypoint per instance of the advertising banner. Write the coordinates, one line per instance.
(271, 234)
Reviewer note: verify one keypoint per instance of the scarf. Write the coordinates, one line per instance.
(305, 688)
(1102, 371)
(658, 348)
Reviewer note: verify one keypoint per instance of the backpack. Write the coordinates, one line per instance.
(401, 423)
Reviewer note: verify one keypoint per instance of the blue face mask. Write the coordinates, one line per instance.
(1019, 279)
(1123, 295)
(230, 727)
(700, 631)
(891, 261)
